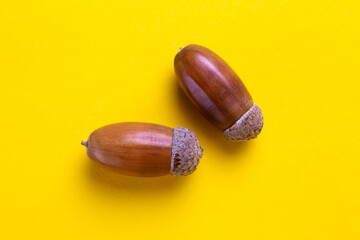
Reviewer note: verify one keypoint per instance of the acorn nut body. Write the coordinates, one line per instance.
(217, 92)
(144, 149)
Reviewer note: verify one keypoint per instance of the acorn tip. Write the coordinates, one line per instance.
(85, 143)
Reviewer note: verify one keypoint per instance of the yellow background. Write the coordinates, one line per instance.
(69, 67)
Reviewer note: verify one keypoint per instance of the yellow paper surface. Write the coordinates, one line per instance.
(69, 67)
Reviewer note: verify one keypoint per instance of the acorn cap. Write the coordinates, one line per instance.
(247, 127)
(186, 152)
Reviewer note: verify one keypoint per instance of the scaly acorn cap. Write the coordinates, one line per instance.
(186, 152)
(247, 127)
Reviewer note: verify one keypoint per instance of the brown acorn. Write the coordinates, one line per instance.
(144, 149)
(218, 93)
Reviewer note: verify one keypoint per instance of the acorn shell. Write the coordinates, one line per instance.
(144, 149)
(216, 91)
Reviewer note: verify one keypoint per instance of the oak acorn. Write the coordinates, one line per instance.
(144, 149)
(218, 93)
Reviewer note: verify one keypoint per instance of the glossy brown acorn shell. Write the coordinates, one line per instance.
(136, 149)
(212, 86)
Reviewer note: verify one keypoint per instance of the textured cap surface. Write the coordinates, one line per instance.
(186, 152)
(247, 127)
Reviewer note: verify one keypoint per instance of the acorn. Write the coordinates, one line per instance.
(144, 149)
(218, 93)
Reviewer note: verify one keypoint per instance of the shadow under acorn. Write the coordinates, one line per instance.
(112, 183)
